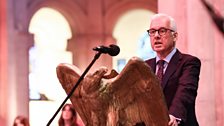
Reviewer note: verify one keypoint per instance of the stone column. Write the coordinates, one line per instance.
(18, 71)
(219, 65)
(19, 42)
(200, 44)
(3, 64)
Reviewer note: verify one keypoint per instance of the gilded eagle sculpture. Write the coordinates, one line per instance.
(133, 97)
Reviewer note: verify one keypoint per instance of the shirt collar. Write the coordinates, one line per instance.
(168, 57)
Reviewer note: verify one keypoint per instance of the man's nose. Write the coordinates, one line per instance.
(157, 33)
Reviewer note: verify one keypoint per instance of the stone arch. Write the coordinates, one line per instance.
(76, 20)
(115, 11)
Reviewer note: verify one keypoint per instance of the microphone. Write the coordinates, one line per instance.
(112, 50)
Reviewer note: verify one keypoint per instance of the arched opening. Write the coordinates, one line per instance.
(130, 33)
(51, 33)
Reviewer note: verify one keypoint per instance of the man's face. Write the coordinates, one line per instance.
(162, 41)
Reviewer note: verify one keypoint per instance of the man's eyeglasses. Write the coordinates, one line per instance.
(161, 31)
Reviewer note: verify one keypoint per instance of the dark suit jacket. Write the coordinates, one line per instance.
(180, 84)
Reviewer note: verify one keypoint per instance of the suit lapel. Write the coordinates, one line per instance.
(171, 68)
(152, 64)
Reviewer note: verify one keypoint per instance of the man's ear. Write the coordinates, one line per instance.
(175, 36)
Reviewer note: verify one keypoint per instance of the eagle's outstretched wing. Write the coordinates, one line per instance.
(137, 92)
(133, 97)
(87, 98)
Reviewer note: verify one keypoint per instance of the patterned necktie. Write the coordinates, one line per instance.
(160, 64)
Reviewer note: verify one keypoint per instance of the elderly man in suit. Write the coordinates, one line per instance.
(178, 72)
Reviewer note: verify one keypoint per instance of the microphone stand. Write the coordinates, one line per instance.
(76, 85)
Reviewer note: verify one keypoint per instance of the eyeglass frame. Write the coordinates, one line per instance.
(159, 32)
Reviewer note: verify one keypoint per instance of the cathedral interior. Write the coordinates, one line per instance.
(37, 35)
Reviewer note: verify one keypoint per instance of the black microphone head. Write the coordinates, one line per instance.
(114, 50)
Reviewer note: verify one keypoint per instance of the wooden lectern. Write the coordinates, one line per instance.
(132, 98)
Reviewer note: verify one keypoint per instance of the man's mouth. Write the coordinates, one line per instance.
(158, 43)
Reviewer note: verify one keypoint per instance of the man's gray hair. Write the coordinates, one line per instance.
(173, 25)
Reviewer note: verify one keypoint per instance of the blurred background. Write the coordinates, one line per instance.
(37, 35)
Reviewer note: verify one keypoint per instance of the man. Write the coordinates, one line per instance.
(180, 72)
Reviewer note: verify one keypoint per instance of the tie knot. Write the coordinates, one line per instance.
(161, 62)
